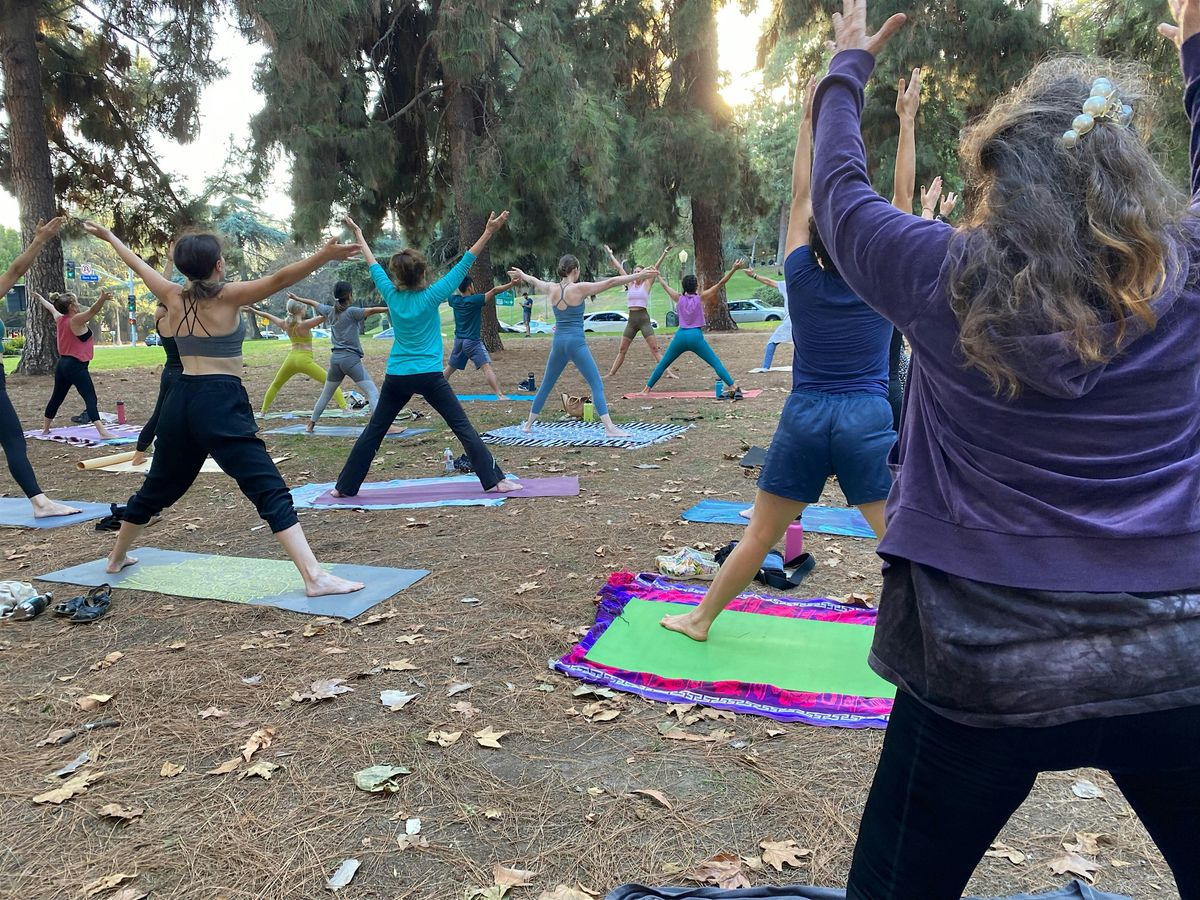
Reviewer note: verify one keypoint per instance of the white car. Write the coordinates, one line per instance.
(609, 320)
(754, 311)
(535, 327)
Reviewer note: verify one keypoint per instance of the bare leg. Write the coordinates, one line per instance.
(873, 513)
(47, 426)
(104, 432)
(610, 427)
(528, 426)
(772, 515)
(119, 557)
(619, 361)
(490, 374)
(317, 582)
(450, 370)
(657, 354)
(139, 457)
(45, 508)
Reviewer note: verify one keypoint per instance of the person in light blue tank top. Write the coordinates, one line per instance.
(569, 346)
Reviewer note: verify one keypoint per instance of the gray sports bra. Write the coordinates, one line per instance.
(221, 346)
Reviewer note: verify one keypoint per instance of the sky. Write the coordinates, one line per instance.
(227, 106)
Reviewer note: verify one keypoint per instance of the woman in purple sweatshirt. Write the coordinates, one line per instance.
(1041, 601)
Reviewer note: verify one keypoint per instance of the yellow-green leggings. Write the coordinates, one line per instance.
(298, 362)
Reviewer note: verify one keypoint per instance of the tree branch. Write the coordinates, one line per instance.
(413, 102)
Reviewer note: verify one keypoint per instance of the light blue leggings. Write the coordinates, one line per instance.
(689, 339)
(570, 347)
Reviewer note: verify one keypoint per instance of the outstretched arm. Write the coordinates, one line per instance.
(709, 292)
(671, 292)
(612, 258)
(542, 287)
(310, 323)
(273, 319)
(161, 287)
(42, 235)
(761, 279)
(908, 101)
(79, 320)
(658, 262)
(591, 288)
(494, 224)
(801, 210)
(490, 295)
(48, 306)
(241, 293)
(369, 311)
(313, 303)
(361, 241)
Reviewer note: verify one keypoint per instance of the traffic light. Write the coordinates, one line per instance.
(132, 306)
(70, 270)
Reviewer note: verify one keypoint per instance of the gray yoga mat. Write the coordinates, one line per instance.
(241, 579)
(1076, 890)
(342, 431)
(16, 512)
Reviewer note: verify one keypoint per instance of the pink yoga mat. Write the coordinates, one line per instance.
(87, 436)
(684, 395)
(464, 490)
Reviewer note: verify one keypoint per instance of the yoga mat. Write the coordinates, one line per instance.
(334, 413)
(16, 512)
(103, 462)
(754, 457)
(239, 579)
(760, 370)
(463, 490)
(122, 464)
(1076, 890)
(342, 431)
(86, 435)
(583, 434)
(816, 518)
(687, 395)
(492, 398)
(792, 660)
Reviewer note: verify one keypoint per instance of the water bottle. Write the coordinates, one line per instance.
(719, 389)
(120, 412)
(449, 458)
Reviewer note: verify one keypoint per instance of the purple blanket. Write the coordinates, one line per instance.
(467, 489)
(87, 436)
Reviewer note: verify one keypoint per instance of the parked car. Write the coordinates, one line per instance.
(153, 340)
(609, 320)
(535, 327)
(754, 311)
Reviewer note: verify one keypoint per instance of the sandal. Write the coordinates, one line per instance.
(94, 605)
(70, 607)
(29, 609)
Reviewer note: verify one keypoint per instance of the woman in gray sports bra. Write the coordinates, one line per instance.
(208, 412)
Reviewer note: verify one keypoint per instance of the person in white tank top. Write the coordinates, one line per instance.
(638, 297)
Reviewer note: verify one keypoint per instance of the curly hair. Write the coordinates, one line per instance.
(408, 269)
(1076, 241)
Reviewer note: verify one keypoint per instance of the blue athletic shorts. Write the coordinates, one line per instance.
(847, 435)
(466, 350)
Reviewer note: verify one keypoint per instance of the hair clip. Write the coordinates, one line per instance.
(1103, 103)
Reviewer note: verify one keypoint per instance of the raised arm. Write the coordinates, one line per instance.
(48, 306)
(169, 265)
(361, 241)
(591, 288)
(313, 303)
(908, 101)
(612, 258)
(930, 198)
(159, 286)
(42, 235)
(369, 311)
(658, 262)
(242, 293)
(494, 224)
(81, 319)
(709, 292)
(671, 292)
(490, 295)
(801, 210)
(541, 287)
(761, 279)
(1183, 34)
(262, 313)
(310, 323)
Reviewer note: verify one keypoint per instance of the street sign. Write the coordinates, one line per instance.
(88, 274)
(505, 299)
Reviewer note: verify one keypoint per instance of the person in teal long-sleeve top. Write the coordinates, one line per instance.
(415, 363)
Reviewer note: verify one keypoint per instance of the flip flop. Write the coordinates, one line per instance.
(29, 609)
(94, 605)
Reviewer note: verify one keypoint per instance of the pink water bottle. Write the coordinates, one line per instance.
(793, 542)
(120, 412)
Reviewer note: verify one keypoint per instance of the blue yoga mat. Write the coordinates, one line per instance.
(1076, 890)
(817, 519)
(583, 434)
(17, 513)
(485, 398)
(240, 579)
(342, 431)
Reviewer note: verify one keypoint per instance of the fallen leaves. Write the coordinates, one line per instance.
(72, 787)
(657, 796)
(458, 688)
(489, 737)
(130, 893)
(380, 779)
(600, 711)
(226, 767)
(398, 665)
(323, 690)
(93, 701)
(396, 700)
(260, 740)
(1086, 790)
(526, 587)
(563, 892)
(213, 712)
(342, 874)
(170, 769)
(120, 811)
(506, 877)
(380, 617)
(1000, 850)
(1074, 864)
(1089, 842)
(778, 854)
(108, 661)
(465, 709)
(677, 734)
(443, 738)
(107, 883)
(263, 769)
(723, 870)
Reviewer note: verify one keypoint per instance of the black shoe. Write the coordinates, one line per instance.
(528, 386)
(81, 419)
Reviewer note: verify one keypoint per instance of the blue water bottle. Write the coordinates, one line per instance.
(719, 389)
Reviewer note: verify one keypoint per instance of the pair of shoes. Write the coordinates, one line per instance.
(25, 610)
(81, 419)
(527, 386)
(463, 464)
(86, 608)
(688, 563)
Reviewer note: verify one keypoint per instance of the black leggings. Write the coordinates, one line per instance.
(170, 375)
(207, 415)
(895, 385)
(12, 438)
(73, 373)
(397, 391)
(943, 791)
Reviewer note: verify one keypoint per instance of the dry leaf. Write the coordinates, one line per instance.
(778, 854)
(170, 769)
(405, 841)
(57, 737)
(775, 732)
(657, 796)
(505, 877)
(489, 737)
(1074, 864)
(226, 767)
(396, 700)
(175, 646)
(107, 883)
(130, 893)
(108, 661)
(599, 551)
(465, 709)
(526, 587)
(1085, 790)
(443, 738)
(562, 892)
(260, 740)
(1000, 850)
(379, 617)
(459, 688)
(599, 712)
(323, 690)
(263, 769)
(1089, 843)
(398, 665)
(213, 712)
(380, 779)
(342, 875)
(92, 701)
(120, 811)
(676, 734)
(492, 813)
(71, 788)
(253, 680)
(723, 870)
(69, 769)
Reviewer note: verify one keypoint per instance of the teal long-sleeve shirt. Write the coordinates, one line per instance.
(416, 322)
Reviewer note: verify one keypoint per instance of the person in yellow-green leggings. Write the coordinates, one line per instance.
(300, 360)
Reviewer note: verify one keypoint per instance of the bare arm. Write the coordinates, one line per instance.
(801, 210)
(45, 232)
(494, 224)
(710, 292)
(490, 295)
(161, 287)
(658, 263)
(930, 198)
(671, 292)
(80, 320)
(241, 293)
(311, 323)
(48, 307)
(542, 287)
(761, 279)
(908, 101)
(313, 303)
(591, 288)
(373, 311)
(169, 265)
(612, 258)
(262, 313)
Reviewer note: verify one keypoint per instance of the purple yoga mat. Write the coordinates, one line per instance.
(459, 490)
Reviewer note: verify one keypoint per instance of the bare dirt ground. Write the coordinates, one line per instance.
(555, 798)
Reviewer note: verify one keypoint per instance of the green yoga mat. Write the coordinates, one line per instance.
(792, 654)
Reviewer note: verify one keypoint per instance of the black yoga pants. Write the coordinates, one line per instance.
(944, 790)
(210, 415)
(12, 438)
(397, 391)
(170, 375)
(73, 373)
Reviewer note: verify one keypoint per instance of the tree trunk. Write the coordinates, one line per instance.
(710, 262)
(785, 211)
(251, 320)
(33, 177)
(463, 123)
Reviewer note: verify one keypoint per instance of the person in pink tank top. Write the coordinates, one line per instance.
(638, 298)
(76, 345)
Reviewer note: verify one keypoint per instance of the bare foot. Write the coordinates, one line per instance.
(138, 458)
(103, 432)
(325, 584)
(527, 427)
(115, 566)
(308, 429)
(336, 493)
(45, 508)
(644, 392)
(615, 432)
(687, 623)
(506, 487)
(746, 513)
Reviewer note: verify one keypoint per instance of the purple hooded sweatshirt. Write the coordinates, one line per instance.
(1089, 480)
